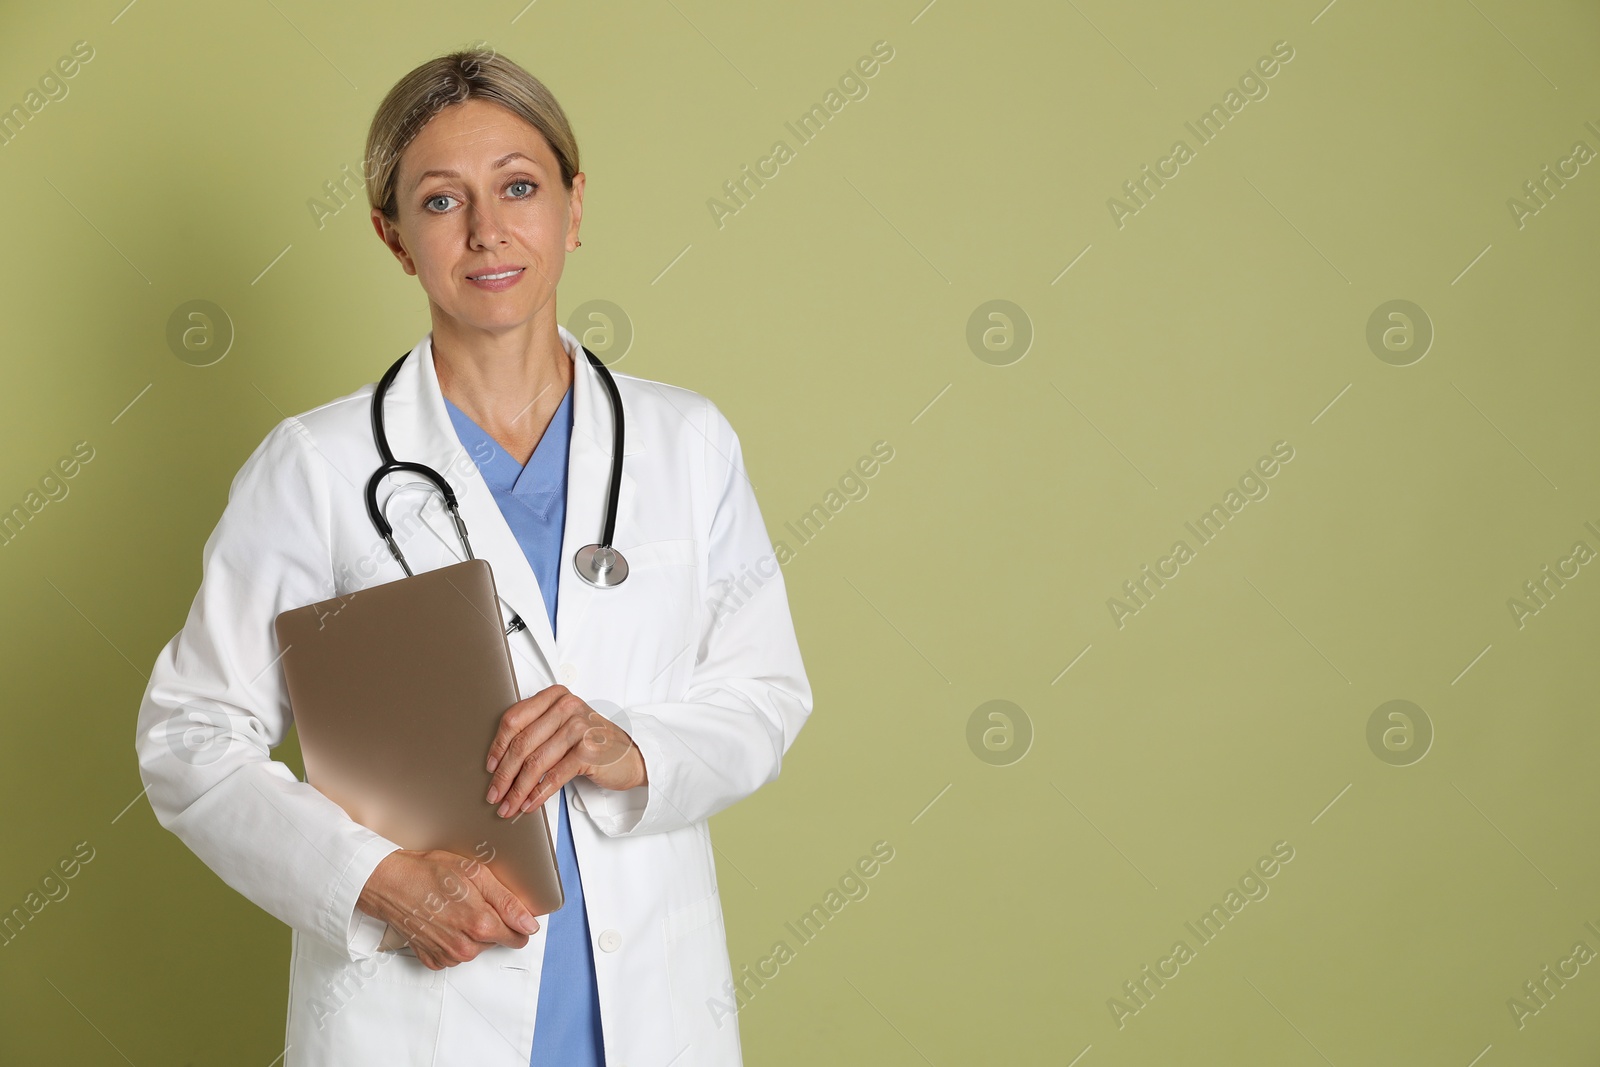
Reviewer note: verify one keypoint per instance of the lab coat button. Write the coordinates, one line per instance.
(568, 674)
(610, 941)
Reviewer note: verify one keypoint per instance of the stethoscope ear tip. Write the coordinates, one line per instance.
(600, 565)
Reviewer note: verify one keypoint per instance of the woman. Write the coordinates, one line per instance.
(646, 708)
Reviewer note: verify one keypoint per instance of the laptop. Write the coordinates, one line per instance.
(396, 692)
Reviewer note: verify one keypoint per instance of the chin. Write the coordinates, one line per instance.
(496, 307)
(511, 318)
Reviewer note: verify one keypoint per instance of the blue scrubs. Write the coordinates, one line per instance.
(533, 499)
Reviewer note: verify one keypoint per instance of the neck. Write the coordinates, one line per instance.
(509, 382)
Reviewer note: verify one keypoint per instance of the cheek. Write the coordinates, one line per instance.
(544, 244)
(431, 257)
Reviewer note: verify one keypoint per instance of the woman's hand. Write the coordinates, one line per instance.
(449, 907)
(550, 738)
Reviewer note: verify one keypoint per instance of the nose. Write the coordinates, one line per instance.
(485, 222)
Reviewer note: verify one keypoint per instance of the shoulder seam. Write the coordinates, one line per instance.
(347, 398)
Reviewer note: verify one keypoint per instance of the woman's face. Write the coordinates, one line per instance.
(479, 192)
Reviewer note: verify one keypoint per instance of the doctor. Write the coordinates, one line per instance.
(647, 707)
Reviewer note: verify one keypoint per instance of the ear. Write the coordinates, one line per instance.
(575, 209)
(390, 236)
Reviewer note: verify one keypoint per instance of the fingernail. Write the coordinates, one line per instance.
(527, 806)
(494, 793)
(494, 761)
(504, 808)
(527, 924)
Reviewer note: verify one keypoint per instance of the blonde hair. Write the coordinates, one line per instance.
(453, 79)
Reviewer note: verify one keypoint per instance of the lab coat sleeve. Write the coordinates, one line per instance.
(216, 706)
(748, 694)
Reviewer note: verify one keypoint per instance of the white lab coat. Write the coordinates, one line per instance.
(694, 655)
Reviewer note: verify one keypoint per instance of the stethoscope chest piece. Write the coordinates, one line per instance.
(600, 565)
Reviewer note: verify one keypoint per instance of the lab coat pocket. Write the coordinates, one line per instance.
(691, 917)
(656, 619)
(382, 1009)
(703, 1005)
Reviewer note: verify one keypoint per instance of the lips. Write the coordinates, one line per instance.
(495, 274)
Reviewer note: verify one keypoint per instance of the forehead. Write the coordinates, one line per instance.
(471, 136)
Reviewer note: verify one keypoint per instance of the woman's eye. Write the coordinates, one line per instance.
(436, 199)
(529, 185)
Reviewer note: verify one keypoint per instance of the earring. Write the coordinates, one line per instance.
(577, 246)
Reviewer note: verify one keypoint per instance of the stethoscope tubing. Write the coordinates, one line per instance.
(389, 465)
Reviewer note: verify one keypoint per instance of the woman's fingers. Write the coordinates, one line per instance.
(450, 907)
(511, 754)
(538, 763)
(516, 719)
(512, 912)
(550, 738)
(566, 769)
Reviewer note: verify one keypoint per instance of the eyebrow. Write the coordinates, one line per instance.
(502, 161)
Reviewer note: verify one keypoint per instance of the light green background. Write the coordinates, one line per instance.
(1225, 316)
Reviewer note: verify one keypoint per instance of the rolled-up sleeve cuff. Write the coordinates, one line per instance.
(351, 930)
(614, 811)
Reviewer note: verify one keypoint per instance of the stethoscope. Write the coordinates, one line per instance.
(601, 565)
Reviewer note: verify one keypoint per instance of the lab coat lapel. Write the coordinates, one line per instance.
(588, 482)
(420, 430)
(419, 427)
